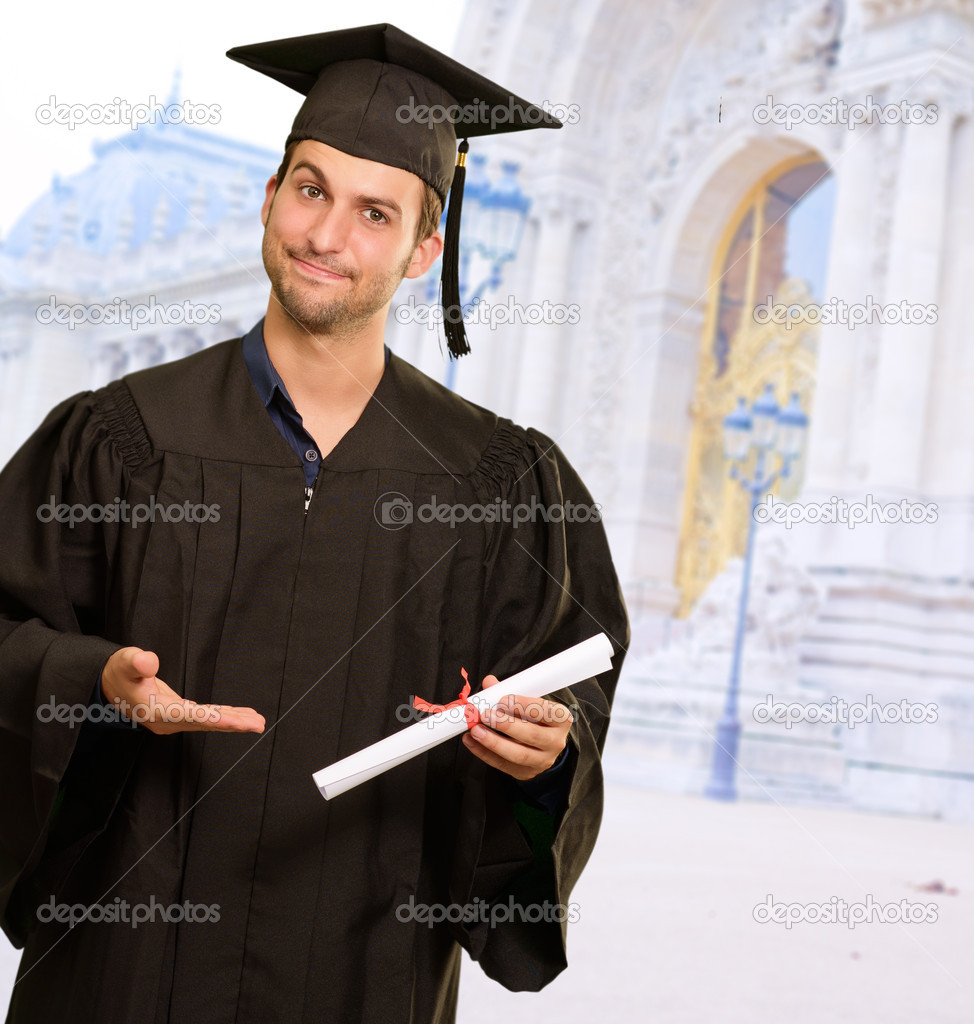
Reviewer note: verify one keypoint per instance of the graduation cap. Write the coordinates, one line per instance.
(380, 94)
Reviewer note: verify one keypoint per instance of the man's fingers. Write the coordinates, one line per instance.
(164, 718)
(145, 663)
(495, 761)
(232, 719)
(527, 733)
(529, 709)
(509, 757)
(512, 750)
(126, 668)
(136, 663)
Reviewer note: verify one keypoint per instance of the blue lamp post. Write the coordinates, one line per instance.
(493, 224)
(501, 224)
(768, 430)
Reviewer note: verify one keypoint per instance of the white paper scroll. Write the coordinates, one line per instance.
(571, 666)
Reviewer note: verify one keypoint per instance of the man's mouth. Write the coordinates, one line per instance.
(320, 272)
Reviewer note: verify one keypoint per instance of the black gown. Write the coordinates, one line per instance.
(326, 623)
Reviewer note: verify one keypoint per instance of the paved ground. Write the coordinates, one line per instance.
(666, 932)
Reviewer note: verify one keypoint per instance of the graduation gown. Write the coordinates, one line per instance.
(326, 623)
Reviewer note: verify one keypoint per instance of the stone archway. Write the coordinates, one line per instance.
(741, 352)
(694, 242)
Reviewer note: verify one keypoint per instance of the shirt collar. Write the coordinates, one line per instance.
(266, 379)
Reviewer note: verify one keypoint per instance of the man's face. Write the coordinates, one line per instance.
(339, 236)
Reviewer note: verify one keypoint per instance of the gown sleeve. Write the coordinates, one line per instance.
(549, 585)
(52, 648)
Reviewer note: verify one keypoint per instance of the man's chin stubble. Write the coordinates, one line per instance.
(340, 319)
(336, 320)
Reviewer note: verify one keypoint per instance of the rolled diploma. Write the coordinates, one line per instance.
(570, 666)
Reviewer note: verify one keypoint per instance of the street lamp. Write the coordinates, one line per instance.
(769, 430)
(493, 225)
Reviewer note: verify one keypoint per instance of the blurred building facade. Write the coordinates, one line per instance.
(699, 178)
(682, 201)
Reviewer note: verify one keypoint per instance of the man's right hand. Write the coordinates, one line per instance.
(129, 682)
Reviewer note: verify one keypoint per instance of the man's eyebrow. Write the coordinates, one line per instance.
(316, 171)
(389, 204)
(361, 200)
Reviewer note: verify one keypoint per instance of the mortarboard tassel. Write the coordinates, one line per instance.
(456, 336)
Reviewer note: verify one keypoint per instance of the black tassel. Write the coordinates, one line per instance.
(456, 336)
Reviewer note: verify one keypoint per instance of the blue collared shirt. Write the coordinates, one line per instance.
(280, 408)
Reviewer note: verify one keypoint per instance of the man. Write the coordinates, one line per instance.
(282, 619)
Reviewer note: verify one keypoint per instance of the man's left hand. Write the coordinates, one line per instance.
(526, 734)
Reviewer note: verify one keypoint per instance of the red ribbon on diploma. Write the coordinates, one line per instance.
(470, 711)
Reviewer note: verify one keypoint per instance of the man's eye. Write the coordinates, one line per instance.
(375, 216)
(308, 189)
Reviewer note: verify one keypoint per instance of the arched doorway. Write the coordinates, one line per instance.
(774, 247)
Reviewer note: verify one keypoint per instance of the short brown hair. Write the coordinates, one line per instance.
(429, 218)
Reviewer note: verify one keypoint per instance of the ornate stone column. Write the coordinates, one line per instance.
(902, 388)
(848, 278)
(545, 344)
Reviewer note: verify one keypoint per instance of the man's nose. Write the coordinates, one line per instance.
(329, 231)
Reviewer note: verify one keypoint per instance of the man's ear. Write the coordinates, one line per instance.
(425, 255)
(269, 189)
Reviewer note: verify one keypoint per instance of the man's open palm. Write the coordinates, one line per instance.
(129, 682)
